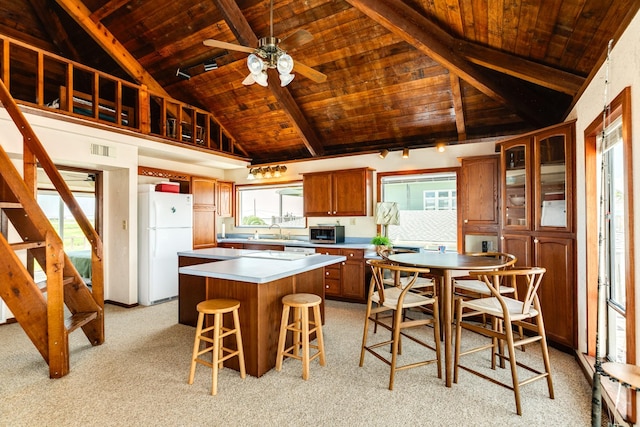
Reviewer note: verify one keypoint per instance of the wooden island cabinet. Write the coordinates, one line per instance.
(259, 284)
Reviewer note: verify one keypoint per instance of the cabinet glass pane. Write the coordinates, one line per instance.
(516, 186)
(553, 179)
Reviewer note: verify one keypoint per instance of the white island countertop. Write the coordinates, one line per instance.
(250, 265)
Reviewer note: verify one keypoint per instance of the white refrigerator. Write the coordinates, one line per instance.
(165, 222)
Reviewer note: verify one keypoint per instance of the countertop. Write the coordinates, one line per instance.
(299, 243)
(238, 265)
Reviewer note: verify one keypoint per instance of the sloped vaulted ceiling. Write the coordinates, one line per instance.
(400, 73)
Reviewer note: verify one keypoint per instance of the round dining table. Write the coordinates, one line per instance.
(442, 265)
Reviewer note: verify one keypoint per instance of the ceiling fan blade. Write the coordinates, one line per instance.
(295, 40)
(309, 72)
(228, 46)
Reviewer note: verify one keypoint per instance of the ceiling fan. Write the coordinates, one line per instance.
(272, 53)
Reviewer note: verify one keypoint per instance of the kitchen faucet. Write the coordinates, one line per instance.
(280, 235)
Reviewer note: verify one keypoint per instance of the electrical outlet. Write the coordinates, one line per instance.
(124, 224)
(352, 221)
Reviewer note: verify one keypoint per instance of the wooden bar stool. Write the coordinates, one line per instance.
(217, 308)
(301, 331)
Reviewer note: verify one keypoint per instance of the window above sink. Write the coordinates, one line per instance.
(268, 205)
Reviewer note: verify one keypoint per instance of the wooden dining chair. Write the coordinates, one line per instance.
(506, 312)
(397, 299)
(471, 287)
(424, 284)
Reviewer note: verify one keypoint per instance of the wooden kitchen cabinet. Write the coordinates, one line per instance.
(338, 193)
(538, 229)
(263, 247)
(231, 245)
(346, 280)
(478, 203)
(204, 212)
(224, 195)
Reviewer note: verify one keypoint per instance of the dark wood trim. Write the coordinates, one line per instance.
(163, 173)
(120, 304)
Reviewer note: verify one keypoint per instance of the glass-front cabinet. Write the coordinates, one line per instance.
(537, 216)
(516, 172)
(553, 180)
(536, 178)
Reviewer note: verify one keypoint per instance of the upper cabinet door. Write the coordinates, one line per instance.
(479, 191)
(516, 192)
(317, 194)
(350, 192)
(553, 179)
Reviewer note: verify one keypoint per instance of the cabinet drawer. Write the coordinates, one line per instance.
(352, 253)
(332, 273)
(332, 287)
(328, 251)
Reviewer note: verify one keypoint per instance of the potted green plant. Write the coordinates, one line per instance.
(381, 243)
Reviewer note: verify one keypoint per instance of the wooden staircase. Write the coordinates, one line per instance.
(40, 310)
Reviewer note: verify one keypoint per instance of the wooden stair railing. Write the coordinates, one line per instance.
(43, 318)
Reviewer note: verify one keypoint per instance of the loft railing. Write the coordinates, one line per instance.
(44, 80)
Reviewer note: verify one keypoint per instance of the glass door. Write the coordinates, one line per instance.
(552, 181)
(515, 198)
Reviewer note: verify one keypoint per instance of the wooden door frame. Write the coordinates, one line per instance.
(620, 106)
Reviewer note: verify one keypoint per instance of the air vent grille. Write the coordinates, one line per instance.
(102, 150)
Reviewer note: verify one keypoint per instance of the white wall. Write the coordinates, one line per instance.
(425, 158)
(68, 144)
(624, 70)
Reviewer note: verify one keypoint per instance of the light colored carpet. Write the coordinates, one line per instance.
(139, 377)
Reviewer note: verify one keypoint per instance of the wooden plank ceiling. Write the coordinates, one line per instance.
(400, 73)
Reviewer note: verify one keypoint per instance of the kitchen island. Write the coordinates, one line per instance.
(259, 280)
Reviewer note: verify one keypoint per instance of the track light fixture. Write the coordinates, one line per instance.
(210, 64)
(183, 74)
(266, 172)
(405, 153)
(441, 146)
(383, 153)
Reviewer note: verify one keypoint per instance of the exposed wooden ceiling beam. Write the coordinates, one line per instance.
(245, 35)
(107, 9)
(541, 75)
(82, 15)
(456, 95)
(52, 25)
(434, 42)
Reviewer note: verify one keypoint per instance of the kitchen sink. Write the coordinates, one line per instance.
(289, 256)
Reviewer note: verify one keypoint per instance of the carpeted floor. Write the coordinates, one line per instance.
(139, 377)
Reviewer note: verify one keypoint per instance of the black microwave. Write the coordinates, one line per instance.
(326, 234)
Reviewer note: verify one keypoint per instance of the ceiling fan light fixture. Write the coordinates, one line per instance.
(261, 78)
(255, 64)
(285, 79)
(285, 64)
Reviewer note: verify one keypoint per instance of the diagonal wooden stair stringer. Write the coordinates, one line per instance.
(41, 311)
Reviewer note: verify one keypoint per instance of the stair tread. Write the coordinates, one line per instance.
(26, 245)
(79, 319)
(10, 205)
(65, 281)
